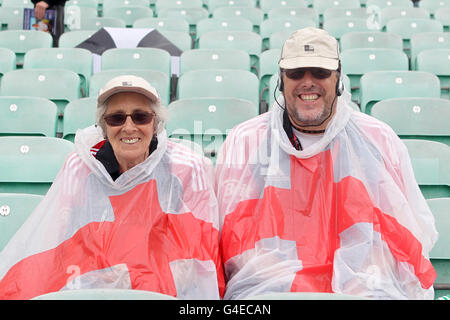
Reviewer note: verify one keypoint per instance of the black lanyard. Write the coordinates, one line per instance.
(290, 133)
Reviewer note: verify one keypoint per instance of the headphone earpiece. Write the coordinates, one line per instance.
(280, 82)
(339, 87)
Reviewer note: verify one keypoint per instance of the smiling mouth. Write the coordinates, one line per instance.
(130, 140)
(309, 97)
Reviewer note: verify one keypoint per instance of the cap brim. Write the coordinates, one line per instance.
(105, 95)
(309, 62)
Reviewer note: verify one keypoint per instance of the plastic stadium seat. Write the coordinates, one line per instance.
(286, 24)
(21, 41)
(73, 38)
(83, 3)
(169, 24)
(356, 62)
(136, 58)
(390, 13)
(304, 296)
(7, 61)
(207, 120)
(14, 210)
(177, 4)
(191, 15)
(277, 39)
(339, 12)
(322, 5)
(379, 85)
(407, 27)
(32, 162)
(79, 114)
(100, 22)
(267, 5)
(73, 14)
(11, 18)
(295, 12)
(274, 92)
(77, 60)
(223, 24)
(268, 65)
(427, 40)
(129, 14)
(104, 294)
(372, 39)
(197, 59)
(431, 164)
(17, 3)
(255, 15)
(440, 254)
(180, 39)
(337, 27)
(389, 3)
(157, 79)
(124, 3)
(436, 61)
(219, 83)
(443, 15)
(214, 4)
(416, 118)
(27, 116)
(433, 5)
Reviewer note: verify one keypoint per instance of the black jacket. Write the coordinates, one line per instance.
(51, 3)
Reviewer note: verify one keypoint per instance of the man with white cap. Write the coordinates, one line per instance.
(317, 197)
(130, 209)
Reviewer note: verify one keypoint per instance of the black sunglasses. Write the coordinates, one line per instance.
(119, 118)
(297, 74)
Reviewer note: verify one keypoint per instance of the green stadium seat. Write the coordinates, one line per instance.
(197, 59)
(337, 27)
(223, 83)
(223, 24)
(440, 254)
(136, 58)
(322, 5)
(389, 3)
(180, 39)
(191, 15)
(129, 14)
(255, 15)
(372, 39)
(339, 12)
(157, 79)
(73, 14)
(177, 4)
(431, 164)
(100, 22)
(296, 12)
(389, 13)
(207, 121)
(427, 40)
(21, 41)
(83, 3)
(267, 5)
(27, 116)
(407, 27)
(106, 4)
(287, 24)
(356, 62)
(104, 294)
(15, 208)
(268, 65)
(17, 3)
(73, 38)
(433, 5)
(436, 61)
(214, 4)
(32, 162)
(7, 61)
(77, 60)
(79, 114)
(378, 85)
(168, 24)
(443, 15)
(416, 118)
(277, 39)
(58, 85)
(11, 18)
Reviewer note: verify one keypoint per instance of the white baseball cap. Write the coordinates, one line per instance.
(127, 83)
(310, 47)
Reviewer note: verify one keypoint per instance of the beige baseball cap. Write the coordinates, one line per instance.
(127, 83)
(310, 47)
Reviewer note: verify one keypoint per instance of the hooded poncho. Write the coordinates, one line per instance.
(154, 228)
(345, 215)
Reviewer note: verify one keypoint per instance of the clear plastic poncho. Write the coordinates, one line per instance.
(345, 215)
(154, 228)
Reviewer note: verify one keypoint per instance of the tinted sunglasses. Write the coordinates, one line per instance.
(119, 118)
(297, 74)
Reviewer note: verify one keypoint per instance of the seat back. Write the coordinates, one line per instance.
(436, 61)
(79, 114)
(427, 40)
(129, 14)
(371, 39)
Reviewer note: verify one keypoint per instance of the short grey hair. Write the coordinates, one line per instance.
(161, 116)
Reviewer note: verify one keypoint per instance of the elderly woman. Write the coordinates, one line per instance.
(129, 209)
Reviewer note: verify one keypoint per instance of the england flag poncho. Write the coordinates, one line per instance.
(345, 215)
(154, 228)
